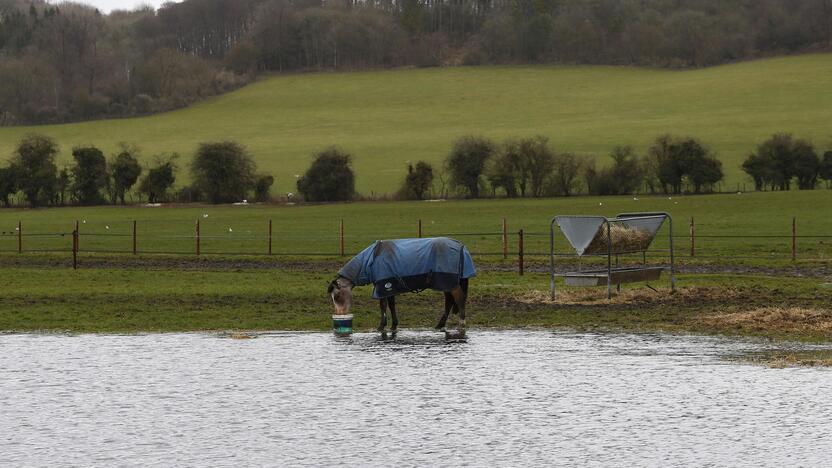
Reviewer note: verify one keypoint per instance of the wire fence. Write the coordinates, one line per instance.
(265, 238)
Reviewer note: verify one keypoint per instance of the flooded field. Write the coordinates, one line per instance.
(508, 398)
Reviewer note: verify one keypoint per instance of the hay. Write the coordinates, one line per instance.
(624, 239)
(784, 319)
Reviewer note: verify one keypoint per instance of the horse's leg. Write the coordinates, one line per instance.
(391, 301)
(460, 296)
(449, 303)
(382, 303)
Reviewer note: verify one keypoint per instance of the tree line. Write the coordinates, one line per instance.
(221, 172)
(530, 167)
(475, 167)
(69, 62)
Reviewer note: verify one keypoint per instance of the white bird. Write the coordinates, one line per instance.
(635, 198)
(230, 230)
(245, 201)
(107, 227)
(205, 215)
(290, 195)
(670, 198)
(599, 203)
(84, 221)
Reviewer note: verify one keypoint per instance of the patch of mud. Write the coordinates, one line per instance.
(785, 319)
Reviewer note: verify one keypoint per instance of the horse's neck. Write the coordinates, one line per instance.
(345, 282)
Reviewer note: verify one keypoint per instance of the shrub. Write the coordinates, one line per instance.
(508, 171)
(417, 182)
(89, 175)
(34, 160)
(624, 176)
(670, 160)
(8, 184)
(826, 166)
(780, 159)
(124, 172)
(262, 186)
(466, 163)
(565, 175)
(539, 161)
(223, 171)
(329, 178)
(159, 179)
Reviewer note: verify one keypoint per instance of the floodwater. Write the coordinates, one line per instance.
(502, 398)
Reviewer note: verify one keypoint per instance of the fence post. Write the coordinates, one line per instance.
(197, 237)
(270, 237)
(77, 236)
(19, 237)
(75, 247)
(794, 238)
(505, 239)
(420, 229)
(342, 237)
(692, 238)
(134, 237)
(520, 253)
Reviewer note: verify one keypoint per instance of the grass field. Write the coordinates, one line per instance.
(389, 117)
(314, 229)
(136, 300)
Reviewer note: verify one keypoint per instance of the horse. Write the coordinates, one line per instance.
(407, 265)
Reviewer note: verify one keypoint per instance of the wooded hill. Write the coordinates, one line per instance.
(70, 62)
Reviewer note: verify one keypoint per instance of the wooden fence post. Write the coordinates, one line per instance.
(692, 238)
(134, 237)
(505, 239)
(75, 247)
(794, 238)
(420, 229)
(197, 237)
(77, 242)
(520, 253)
(19, 237)
(342, 237)
(270, 237)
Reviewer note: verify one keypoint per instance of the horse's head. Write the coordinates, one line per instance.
(340, 290)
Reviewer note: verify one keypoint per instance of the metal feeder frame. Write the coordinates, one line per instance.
(615, 274)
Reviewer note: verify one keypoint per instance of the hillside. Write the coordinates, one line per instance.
(386, 118)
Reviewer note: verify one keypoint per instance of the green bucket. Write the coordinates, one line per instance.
(342, 324)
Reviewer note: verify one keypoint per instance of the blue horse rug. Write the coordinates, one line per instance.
(405, 265)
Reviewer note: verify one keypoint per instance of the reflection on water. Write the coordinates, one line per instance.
(497, 398)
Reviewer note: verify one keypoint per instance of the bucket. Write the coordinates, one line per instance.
(342, 324)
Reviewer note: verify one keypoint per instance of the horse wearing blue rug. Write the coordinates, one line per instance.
(407, 265)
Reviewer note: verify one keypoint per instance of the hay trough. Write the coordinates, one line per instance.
(625, 234)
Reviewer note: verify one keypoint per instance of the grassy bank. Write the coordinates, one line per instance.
(389, 117)
(726, 225)
(293, 298)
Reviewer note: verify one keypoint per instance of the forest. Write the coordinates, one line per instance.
(69, 62)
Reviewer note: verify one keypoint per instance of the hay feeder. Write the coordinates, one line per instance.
(610, 238)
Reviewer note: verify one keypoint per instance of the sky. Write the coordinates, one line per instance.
(108, 5)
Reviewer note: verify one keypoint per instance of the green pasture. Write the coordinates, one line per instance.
(737, 220)
(386, 118)
(161, 300)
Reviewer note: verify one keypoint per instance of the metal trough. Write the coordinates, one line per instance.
(627, 233)
(616, 276)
